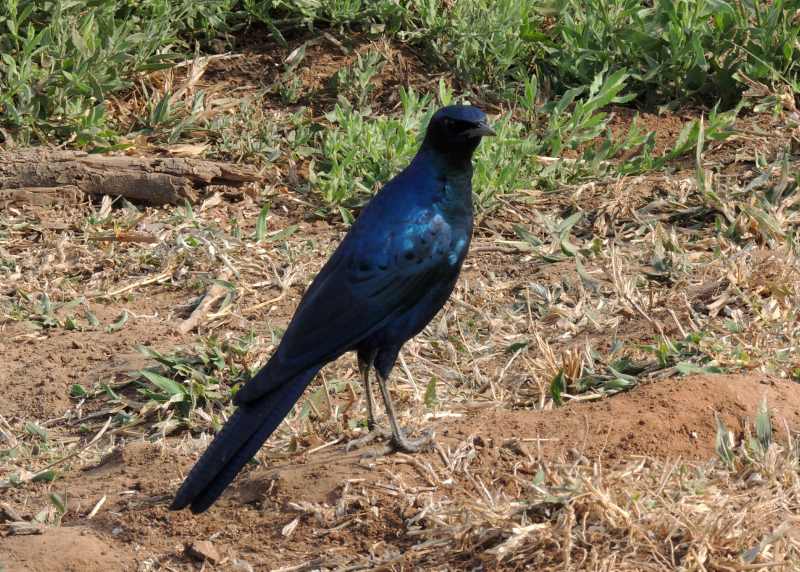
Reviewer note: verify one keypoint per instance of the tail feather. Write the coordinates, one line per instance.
(237, 443)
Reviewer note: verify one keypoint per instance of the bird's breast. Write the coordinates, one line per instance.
(432, 238)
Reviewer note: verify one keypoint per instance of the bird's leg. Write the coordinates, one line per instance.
(363, 368)
(375, 432)
(400, 441)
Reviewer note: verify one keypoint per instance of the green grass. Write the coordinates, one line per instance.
(184, 389)
(359, 152)
(552, 68)
(675, 50)
(678, 50)
(60, 62)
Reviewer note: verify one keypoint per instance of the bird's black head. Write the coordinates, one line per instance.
(456, 130)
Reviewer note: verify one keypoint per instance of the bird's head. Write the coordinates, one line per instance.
(456, 130)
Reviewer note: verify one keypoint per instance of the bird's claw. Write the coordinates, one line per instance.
(406, 445)
(396, 442)
(374, 434)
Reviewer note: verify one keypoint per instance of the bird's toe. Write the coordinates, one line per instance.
(375, 434)
(406, 445)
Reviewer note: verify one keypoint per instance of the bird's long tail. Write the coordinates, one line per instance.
(237, 443)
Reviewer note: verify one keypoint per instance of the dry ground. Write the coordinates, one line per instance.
(679, 282)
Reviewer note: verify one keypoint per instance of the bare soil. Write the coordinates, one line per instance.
(673, 419)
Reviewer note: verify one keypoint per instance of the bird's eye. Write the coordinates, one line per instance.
(449, 122)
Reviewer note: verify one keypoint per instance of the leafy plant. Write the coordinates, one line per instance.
(187, 388)
(353, 82)
(359, 153)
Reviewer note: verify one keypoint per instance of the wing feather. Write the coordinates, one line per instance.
(356, 293)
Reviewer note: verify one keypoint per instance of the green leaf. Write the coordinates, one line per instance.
(764, 425)
(284, 234)
(317, 398)
(91, 318)
(622, 376)
(47, 476)
(261, 223)
(346, 215)
(687, 368)
(165, 384)
(618, 384)
(517, 346)
(161, 112)
(79, 42)
(701, 173)
(564, 231)
(119, 323)
(112, 395)
(58, 502)
(723, 441)
(557, 387)
(430, 393)
(34, 429)
(526, 235)
(767, 223)
(77, 390)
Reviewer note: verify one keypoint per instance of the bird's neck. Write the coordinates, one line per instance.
(453, 157)
(456, 194)
(451, 165)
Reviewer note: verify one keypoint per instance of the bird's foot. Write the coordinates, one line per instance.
(374, 434)
(406, 445)
(395, 442)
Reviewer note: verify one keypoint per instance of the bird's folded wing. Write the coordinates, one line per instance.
(357, 293)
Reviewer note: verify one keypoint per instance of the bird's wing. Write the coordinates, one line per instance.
(369, 280)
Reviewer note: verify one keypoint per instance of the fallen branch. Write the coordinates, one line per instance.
(215, 292)
(124, 236)
(42, 176)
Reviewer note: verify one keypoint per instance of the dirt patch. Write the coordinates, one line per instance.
(667, 419)
(666, 127)
(42, 365)
(68, 549)
(517, 316)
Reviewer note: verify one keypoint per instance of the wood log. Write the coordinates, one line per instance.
(38, 175)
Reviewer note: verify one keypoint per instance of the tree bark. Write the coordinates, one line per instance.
(41, 176)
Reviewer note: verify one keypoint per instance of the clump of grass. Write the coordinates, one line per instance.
(677, 50)
(488, 44)
(359, 153)
(290, 15)
(353, 82)
(589, 371)
(186, 389)
(247, 134)
(60, 63)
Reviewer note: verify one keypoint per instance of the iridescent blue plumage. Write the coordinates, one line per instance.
(387, 279)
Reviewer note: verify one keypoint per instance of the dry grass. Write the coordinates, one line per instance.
(644, 514)
(660, 275)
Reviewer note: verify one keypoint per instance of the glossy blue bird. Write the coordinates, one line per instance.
(390, 275)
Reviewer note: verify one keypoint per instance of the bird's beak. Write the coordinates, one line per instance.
(481, 129)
